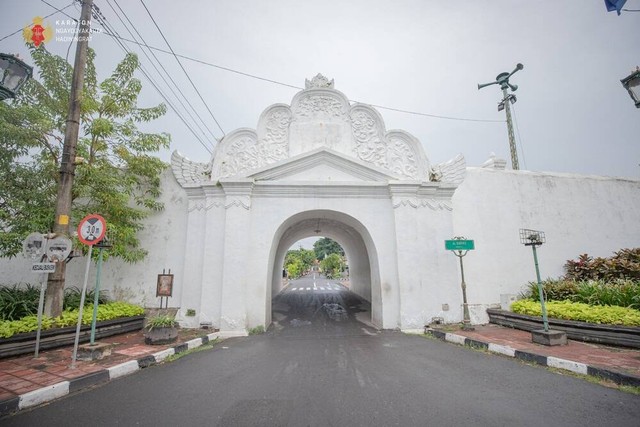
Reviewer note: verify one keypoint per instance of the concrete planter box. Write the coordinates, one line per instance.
(59, 337)
(623, 336)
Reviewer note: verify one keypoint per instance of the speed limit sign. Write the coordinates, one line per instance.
(92, 229)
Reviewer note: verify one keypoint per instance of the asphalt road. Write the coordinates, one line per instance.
(319, 366)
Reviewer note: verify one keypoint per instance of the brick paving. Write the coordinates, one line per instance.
(614, 358)
(22, 374)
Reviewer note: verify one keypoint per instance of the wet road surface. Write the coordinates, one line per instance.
(319, 365)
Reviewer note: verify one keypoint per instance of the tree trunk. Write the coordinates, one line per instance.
(54, 295)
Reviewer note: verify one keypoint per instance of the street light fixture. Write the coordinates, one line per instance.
(536, 238)
(13, 74)
(632, 84)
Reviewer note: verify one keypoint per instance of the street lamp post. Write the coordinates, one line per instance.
(13, 74)
(632, 84)
(535, 238)
(507, 98)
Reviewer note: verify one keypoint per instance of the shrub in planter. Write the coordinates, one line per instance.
(610, 315)
(108, 311)
(161, 330)
(624, 264)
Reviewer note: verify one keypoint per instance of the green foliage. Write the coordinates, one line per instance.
(624, 264)
(257, 330)
(161, 321)
(18, 301)
(108, 311)
(619, 292)
(121, 177)
(579, 311)
(72, 297)
(332, 265)
(554, 289)
(622, 293)
(298, 261)
(326, 246)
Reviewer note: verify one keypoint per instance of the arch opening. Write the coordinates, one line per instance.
(350, 234)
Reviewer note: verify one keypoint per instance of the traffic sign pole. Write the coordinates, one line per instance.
(43, 285)
(80, 309)
(460, 247)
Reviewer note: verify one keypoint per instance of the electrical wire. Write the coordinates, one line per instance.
(103, 21)
(253, 76)
(162, 75)
(97, 14)
(45, 17)
(181, 66)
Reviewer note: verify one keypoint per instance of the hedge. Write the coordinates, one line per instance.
(610, 315)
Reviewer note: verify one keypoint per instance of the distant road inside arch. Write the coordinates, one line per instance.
(316, 306)
(318, 365)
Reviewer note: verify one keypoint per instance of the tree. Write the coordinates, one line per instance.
(120, 177)
(327, 246)
(332, 265)
(297, 261)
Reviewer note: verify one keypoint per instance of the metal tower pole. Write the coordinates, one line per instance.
(512, 139)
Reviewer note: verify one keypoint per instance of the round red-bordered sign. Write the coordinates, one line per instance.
(92, 229)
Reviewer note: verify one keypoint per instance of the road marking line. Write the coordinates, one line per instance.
(293, 289)
(308, 289)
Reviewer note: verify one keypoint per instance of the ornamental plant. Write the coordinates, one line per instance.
(69, 317)
(610, 315)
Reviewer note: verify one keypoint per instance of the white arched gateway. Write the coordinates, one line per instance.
(320, 165)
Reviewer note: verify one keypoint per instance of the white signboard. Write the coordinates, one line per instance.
(33, 246)
(58, 249)
(43, 267)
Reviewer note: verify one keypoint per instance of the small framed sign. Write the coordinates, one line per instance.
(165, 285)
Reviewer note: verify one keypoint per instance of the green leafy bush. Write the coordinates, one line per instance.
(624, 264)
(619, 292)
(72, 297)
(554, 289)
(18, 301)
(21, 300)
(161, 321)
(112, 310)
(610, 315)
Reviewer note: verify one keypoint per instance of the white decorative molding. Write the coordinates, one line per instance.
(319, 81)
(396, 151)
(238, 201)
(414, 202)
(189, 172)
(320, 105)
(452, 171)
(495, 163)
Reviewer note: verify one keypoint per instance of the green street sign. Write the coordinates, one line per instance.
(459, 245)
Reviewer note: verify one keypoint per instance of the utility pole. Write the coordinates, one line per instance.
(507, 98)
(55, 284)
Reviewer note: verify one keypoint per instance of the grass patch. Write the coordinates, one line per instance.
(207, 346)
(257, 330)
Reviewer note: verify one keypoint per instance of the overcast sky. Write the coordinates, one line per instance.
(573, 115)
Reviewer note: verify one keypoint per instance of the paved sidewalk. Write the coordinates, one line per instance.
(26, 381)
(618, 364)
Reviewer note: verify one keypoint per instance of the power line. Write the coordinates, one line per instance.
(253, 76)
(165, 71)
(181, 66)
(51, 14)
(103, 21)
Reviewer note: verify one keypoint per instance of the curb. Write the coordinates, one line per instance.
(619, 378)
(64, 388)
